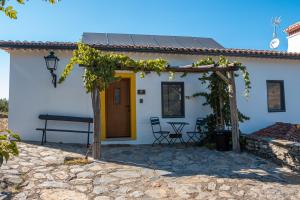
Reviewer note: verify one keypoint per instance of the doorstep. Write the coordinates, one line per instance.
(119, 139)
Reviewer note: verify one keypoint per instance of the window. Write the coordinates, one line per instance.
(117, 96)
(275, 92)
(172, 99)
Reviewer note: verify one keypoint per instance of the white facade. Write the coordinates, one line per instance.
(294, 43)
(32, 94)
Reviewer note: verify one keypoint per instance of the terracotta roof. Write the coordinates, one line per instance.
(154, 49)
(293, 29)
(36, 45)
(281, 130)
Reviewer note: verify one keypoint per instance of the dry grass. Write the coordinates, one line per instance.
(76, 161)
(3, 124)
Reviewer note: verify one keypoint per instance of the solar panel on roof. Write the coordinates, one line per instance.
(120, 39)
(167, 41)
(149, 40)
(95, 38)
(144, 40)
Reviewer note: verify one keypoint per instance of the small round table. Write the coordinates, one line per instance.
(177, 127)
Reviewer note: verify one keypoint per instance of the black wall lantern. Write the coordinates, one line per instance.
(51, 64)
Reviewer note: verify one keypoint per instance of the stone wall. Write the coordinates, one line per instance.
(283, 152)
(3, 124)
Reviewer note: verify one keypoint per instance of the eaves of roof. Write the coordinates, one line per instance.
(10, 45)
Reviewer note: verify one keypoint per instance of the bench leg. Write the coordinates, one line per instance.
(43, 138)
(88, 137)
(45, 141)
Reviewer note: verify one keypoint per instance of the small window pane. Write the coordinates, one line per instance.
(275, 96)
(117, 96)
(172, 99)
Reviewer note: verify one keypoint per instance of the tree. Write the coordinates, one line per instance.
(3, 105)
(99, 73)
(9, 10)
(8, 139)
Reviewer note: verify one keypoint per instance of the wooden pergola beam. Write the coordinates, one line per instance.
(224, 78)
(201, 69)
(191, 69)
(230, 81)
(234, 113)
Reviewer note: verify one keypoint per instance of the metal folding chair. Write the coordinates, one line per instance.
(159, 135)
(199, 132)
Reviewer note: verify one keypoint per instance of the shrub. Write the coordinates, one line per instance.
(3, 105)
(8, 145)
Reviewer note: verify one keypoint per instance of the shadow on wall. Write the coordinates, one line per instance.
(177, 161)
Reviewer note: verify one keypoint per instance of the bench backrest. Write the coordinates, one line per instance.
(66, 118)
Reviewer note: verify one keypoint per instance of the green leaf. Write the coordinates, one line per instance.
(16, 136)
(3, 137)
(5, 155)
(20, 1)
(8, 145)
(10, 12)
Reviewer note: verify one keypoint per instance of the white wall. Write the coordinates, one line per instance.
(151, 107)
(256, 106)
(152, 104)
(31, 93)
(294, 43)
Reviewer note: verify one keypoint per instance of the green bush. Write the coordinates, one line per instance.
(3, 105)
(8, 145)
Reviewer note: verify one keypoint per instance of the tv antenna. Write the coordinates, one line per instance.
(274, 44)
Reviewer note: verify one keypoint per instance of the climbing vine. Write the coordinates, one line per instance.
(217, 93)
(100, 66)
(99, 73)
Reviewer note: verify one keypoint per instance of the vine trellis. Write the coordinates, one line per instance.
(220, 88)
(100, 68)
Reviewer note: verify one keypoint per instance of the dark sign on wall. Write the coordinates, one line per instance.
(141, 92)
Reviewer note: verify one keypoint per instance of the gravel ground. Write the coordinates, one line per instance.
(144, 172)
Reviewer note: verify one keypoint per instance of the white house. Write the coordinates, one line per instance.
(130, 103)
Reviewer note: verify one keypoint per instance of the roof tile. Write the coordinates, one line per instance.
(153, 49)
(279, 130)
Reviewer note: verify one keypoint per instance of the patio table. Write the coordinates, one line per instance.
(177, 127)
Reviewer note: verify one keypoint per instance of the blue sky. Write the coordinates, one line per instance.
(233, 23)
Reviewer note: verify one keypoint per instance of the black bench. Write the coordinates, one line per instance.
(64, 118)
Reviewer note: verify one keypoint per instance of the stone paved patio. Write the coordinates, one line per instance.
(145, 172)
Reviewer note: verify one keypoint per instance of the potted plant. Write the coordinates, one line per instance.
(222, 140)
